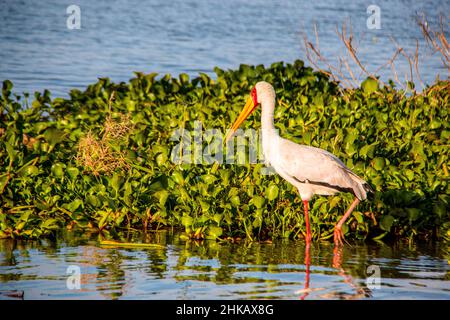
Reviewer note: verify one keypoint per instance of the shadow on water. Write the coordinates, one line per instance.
(222, 270)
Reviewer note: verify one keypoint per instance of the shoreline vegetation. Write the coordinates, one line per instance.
(100, 159)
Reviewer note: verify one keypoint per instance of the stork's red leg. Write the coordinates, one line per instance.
(338, 235)
(337, 257)
(307, 247)
(307, 271)
(308, 230)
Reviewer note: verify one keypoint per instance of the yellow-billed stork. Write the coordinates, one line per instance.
(311, 170)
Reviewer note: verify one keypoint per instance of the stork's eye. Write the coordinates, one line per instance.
(254, 96)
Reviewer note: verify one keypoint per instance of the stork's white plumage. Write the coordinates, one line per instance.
(311, 170)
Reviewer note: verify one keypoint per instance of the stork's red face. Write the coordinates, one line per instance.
(249, 107)
(254, 96)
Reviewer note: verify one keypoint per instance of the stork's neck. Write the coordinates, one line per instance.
(267, 108)
(270, 136)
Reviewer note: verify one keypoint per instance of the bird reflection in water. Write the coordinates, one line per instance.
(360, 292)
(307, 271)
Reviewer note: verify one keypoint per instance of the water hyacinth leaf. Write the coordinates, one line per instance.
(187, 221)
(93, 200)
(225, 176)
(159, 183)
(161, 159)
(7, 86)
(40, 126)
(31, 170)
(58, 170)
(345, 228)
(387, 222)
(439, 210)
(209, 179)
(272, 192)
(358, 216)
(369, 85)
(104, 215)
(334, 202)
(258, 201)
(73, 172)
(4, 178)
(435, 124)
(139, 138)
(368, 150)
(128, 193)
(235, 200)
(10, 150)
(20, 225)
(162, 196)
(184, 78)
(74, 205)
(54, 136)
(205, 205)
(217, 218)
(50, 224)
(214, 232)
(304, 100)
(379, 163)
(178, 177)
(413, 214)
(116, 181)
(409, 174)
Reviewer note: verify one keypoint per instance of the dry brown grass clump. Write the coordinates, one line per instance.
(116, 129)
(103, 156)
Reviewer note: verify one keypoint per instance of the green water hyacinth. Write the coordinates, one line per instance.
(397, 141)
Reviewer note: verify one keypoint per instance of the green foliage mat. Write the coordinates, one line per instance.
(62, 165)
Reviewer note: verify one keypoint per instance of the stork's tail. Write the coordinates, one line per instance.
(369, 190)
(363, 189)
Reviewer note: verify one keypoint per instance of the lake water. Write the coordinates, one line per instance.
(38, 51)
(212, 270)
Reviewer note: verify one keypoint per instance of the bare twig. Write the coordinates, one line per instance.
(347, 40)
(436, 39)
(342, 72)
(314, 56)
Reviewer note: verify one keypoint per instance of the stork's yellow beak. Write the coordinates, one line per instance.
(248, 109)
